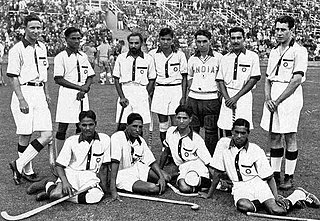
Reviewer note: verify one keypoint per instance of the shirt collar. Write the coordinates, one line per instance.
(136, 139)
(26, 43)
(232, 144)
(82, 138)
(174, 49)
(139, 54)
(69, 52)
(190, 134)
(243, 50)
(291, 43)
(198, 54)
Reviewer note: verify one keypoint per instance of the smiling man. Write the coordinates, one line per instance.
(286, 71)
(239, 72)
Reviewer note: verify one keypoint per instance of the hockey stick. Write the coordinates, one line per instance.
(177, 191)
(268, 216)
(120, 117)
(25, 215)
(233, 115)
(193, 205)
(52, 158)
(150, 131)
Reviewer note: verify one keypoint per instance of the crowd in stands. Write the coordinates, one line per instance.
(150, 18)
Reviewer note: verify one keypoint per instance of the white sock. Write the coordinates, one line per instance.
(28, 170)
(276, 163)
(290, 166)
(26, 157)
(48, 185)
(296, 196)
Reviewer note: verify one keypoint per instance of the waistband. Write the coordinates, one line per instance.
(37, 84)
(132, 83)
(204, 92)
(157, 84)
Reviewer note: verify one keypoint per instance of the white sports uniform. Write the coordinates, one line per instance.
(134, 75)
(235, 71)
(188, 152)
(30, 65)
(280, 70)
(168, 90)
(66, 66)
(134, 160)
(247, 167)
(83, 161)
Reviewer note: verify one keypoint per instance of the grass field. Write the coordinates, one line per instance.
(14, 199)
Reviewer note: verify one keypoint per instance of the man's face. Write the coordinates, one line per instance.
(135, 128)
(237, 41)
(73, 40)
(183, 120)
(165, 41)
(202, 43)
(87, 127)
(240, 135)
(135, 44)
(33, 30)
(283, 33)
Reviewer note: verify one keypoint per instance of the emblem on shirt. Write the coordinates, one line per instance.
(98, 160)
(45, 63)
(285, 64)
(244, 69)
(248, 171)
(186, 154)
(85, 71)
(175, 69)
(141, 72)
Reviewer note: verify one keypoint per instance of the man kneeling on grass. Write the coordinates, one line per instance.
(253, 183)
(81, 158)
(133, 166)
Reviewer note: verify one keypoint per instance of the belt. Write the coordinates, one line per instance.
(168, 84)
(39, 84)
(204, 92)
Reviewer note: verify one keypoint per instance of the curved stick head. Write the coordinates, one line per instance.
(195, 207)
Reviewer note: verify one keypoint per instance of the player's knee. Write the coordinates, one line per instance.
(163, 126)
(277, 210)
(210, 124)
(54, 195)
(245, 205)
(89, 197)
(47, 135)
(185, 188)
(153, 189)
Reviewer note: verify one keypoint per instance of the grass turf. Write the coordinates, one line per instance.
(14, 199)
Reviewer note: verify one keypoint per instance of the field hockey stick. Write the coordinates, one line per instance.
(193, 205)
(120, 117)
(151, 125)
(268, 216)
(53, 152)
(30, 213)
(233, 114)
(177, 191)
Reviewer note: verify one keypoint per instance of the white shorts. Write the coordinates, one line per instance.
(243, 110)
(193, 165)
(138, 103)
(286, 118)
(68, 107)
(82, 179)
(39, 116)
(166, 99)
(127, 177)
(254, 189)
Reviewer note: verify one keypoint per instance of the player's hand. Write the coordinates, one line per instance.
(231, 102)
(67, 189)
(85, 88)
(162, 185)
(271, 105)
(124, 102)
(24, 107)
(80, 95)
(282, 203)
(204, 195)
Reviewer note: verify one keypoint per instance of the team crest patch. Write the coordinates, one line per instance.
(86, 71)
(141, 72)
(186, 154)
(244, 69)
(248, 171)
(45, 63)
(285, 64)
(98, 160)
(175, 69)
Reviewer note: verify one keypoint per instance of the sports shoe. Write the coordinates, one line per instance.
(311, 200)
(37, 186)
(15, 173)
(288, 182)
(42, 196)
(31, 178)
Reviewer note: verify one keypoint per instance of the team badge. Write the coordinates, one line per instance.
(85, 71)
(175, 69)
(98, 160)
(244, 69)
(186, 154)
(45, 63)
(248, 171)
(141, 72)
(285, 64)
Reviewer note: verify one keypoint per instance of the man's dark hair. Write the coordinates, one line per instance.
(132, 117)
(236, 29)
(70, 30)
(89, 114)
(134, 35)
(286, 19)
(166, 31)
(242, 123)
(204, 33)
(184, 108)
(31, 17)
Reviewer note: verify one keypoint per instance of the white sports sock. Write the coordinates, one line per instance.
(28, 170)
(296, 196)
(290, 166)
(276, 163)
(48, 185)
(26, 157)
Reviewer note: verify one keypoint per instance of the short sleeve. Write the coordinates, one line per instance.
(65, 153)
(58, 67)
(183, 64)
(262, 165)
(152, 74)
(116, 147)
(203, 152)
(190, 67)
(301, 61)
(106, 146)
(14, 61)
(116, 69)
(255, 66)
(148, 157)
(217, 158)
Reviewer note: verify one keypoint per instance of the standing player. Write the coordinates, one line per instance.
(27, 71)
(90, 51)
(239, 71)
(134, 76)
(248, 167)
(286, 71)
(203, 95)
(189, 153)
(73, 72)
(79, 162)
(171, 81)
(103, 56)
(1, 60)
(133, 166)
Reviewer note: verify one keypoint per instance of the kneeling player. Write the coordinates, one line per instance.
(133, 166)
(81, 158)
(247, 166)
(189, 153)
